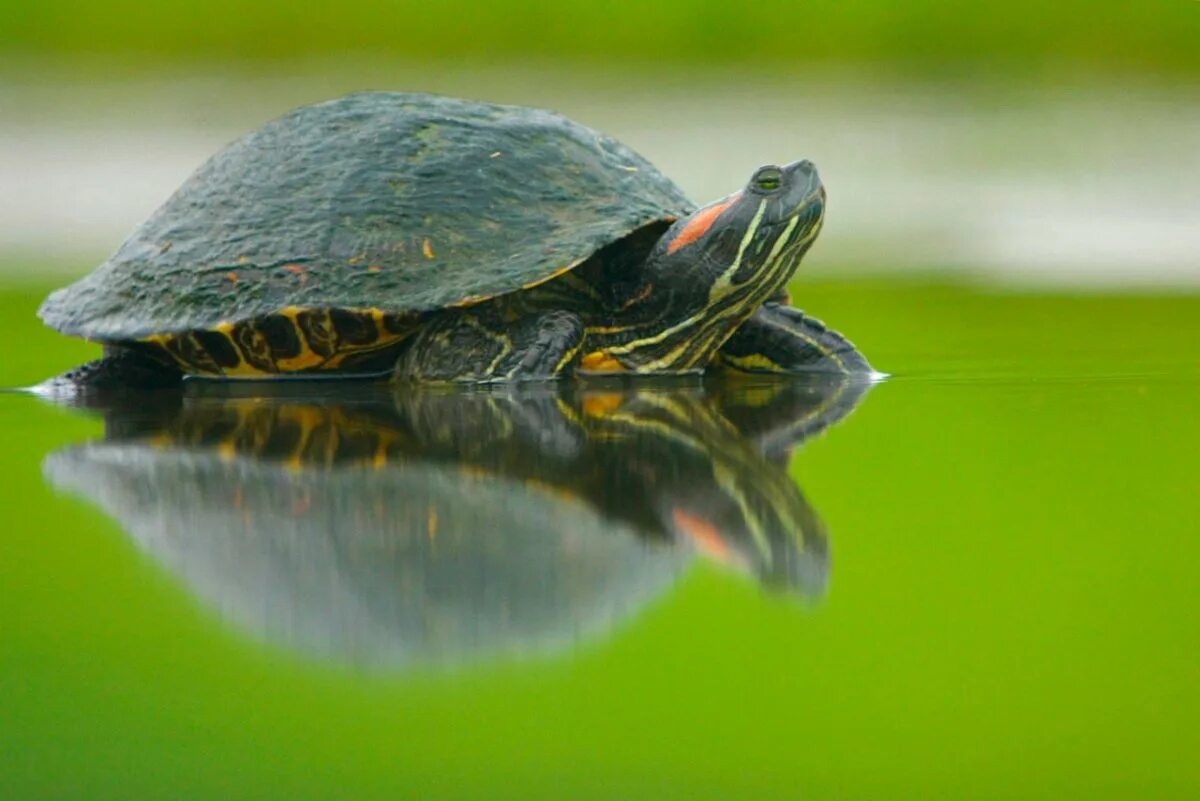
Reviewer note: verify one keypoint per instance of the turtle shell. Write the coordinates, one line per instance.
(400, 203)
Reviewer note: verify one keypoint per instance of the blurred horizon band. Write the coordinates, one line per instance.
(920, 38)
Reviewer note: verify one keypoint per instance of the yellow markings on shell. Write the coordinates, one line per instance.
(470, 300)
(163, 343)
(242, 369)
(307, 358)
(553, 275)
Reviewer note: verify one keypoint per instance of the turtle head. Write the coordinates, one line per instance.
(713, 268)
(788, 193)
(753, 236)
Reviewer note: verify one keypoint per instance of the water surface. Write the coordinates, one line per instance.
(976, 579)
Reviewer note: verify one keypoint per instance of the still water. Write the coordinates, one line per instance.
(975, 579)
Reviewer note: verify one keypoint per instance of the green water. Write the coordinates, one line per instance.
(1009, 610)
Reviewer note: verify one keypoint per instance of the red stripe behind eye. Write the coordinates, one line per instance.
(699, 224)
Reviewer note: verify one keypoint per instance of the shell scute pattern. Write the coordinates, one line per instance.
(291, 341)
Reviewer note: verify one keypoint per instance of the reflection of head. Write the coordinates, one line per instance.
(757, 522)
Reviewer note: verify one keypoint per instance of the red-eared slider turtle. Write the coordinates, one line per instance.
(450, 240)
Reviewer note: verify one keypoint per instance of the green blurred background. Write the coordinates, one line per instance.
(926, 37)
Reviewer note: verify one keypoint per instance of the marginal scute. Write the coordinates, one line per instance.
(353, 328)
(385, 201)
(220, 348)
(280, 332)
(254, 347)
(319, 335)
(190, 354)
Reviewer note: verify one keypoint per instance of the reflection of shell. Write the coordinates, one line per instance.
(386, 526)
(410, 563)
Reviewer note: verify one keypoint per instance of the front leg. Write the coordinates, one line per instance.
(480, 345)
(783, 339)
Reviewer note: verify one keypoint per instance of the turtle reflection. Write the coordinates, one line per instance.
(385, 527)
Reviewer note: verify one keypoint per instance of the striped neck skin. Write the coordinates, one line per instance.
(710, 272)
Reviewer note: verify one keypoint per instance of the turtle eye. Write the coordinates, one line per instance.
(768, 179)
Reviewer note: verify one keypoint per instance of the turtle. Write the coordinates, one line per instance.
(435, 239)
(389, 526)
